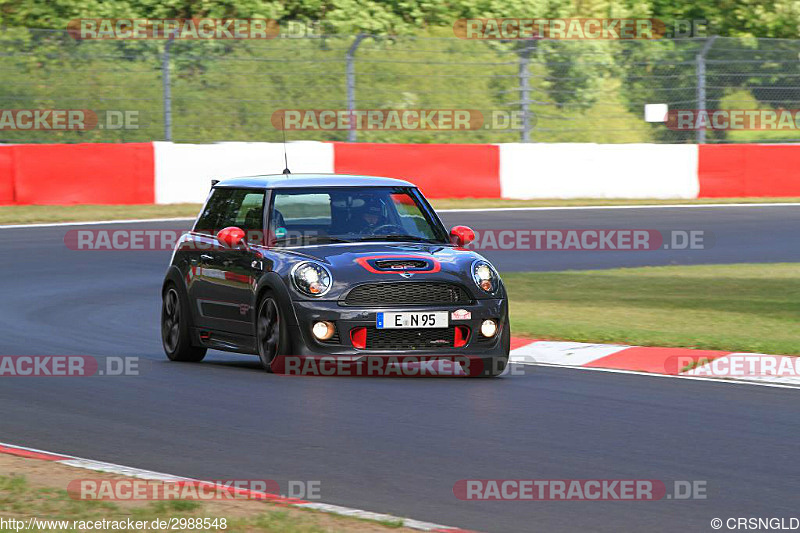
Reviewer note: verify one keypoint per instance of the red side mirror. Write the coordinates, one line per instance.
(461, 235)
(231, 236)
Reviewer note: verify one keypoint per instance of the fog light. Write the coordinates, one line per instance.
(323, 330)
(488, 328)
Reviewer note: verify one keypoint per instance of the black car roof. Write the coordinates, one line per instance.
(280, 181)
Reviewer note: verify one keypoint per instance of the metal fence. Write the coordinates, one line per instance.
(528, 91)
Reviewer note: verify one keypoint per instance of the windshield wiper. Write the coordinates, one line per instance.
(398, 238)
(312, 239)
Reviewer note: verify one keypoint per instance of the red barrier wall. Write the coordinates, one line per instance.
(125, 173)
(84, 173)
(439, 170)
(749, 170)
(6, 175)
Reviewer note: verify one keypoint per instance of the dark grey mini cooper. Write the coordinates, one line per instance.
(353, 269)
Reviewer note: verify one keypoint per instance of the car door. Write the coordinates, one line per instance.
(201, 249)
(228, 275)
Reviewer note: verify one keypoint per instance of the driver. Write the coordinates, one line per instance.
(372, 215)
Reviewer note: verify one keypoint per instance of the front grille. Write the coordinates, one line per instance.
(400, 264)
(407, 293)
(410, 339)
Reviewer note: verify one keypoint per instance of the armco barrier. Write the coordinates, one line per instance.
(160, 172)
(749, 170)
(439, 170)
(83, 173)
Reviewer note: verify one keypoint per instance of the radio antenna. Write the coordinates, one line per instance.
(286, 170)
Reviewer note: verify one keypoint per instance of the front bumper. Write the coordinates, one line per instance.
(346, 318)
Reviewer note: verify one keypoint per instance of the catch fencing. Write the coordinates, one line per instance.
(526, 91)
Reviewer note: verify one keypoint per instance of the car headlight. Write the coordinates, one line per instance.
(485, 276)
(311, 279)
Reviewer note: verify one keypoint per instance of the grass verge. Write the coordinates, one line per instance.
(31, 214)
(742, 307)
(37, 489)
(482, 203)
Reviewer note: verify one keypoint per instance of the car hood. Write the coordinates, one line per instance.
(356, 263)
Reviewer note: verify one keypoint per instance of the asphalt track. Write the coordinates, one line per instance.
(730, 235)
(399, 445)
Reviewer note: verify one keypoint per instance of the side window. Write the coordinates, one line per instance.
(243, 208)
(209, 220)
(250, 214)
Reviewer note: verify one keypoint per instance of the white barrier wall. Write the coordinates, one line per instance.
(183, 172)
(572, 170)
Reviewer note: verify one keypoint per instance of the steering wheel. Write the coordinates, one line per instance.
(377, 231)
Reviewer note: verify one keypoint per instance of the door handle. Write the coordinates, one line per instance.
(206, 257)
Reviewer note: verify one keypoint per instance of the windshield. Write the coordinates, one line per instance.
(350, 214)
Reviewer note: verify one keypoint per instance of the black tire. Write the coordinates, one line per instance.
(175, 332)
(271, 336)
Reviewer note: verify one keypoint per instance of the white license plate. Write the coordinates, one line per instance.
(425, 319)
